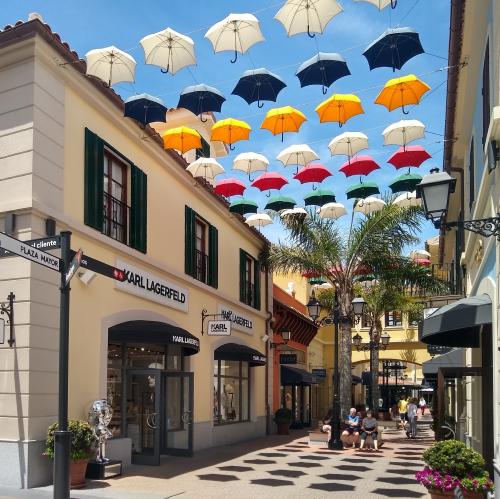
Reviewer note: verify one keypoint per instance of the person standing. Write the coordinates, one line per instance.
(402, 406)
(422, 404)
(412, 418)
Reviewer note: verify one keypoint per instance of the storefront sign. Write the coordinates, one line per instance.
(319, 373)
(288, 358)
(239, 321)
(185, 340)
(150, 287)
(219, 328)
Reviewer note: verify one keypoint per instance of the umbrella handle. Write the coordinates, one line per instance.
(309, 34)
(260, 104)
(340, 124)
(314, 188)
(164, 71)
(231, 147)
(235, 57)
(394, 3)
(203, 120)
(268, 195)
(404, 110)
(324, 90)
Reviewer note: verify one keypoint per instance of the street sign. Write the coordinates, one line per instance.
(45, 243)
(219, 328)
(102, 268)
(288, 358)
(318, 372)
(29, 252)
(73, 266)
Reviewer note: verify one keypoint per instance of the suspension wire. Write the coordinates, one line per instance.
(407, 13)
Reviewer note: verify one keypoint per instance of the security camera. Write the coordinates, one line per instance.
(86, 276)
(265, 338)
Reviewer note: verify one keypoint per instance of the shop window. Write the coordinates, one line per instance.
(115, 387)
(231, 391)
(204, 150)
(393, 318)
(249, 280)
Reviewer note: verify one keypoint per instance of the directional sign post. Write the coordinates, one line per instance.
(44, 244)
(73, 266)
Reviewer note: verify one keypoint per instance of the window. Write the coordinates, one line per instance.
(204, 150)
(472, 187)
(231, 391)
(201, 251)
(486, 92)
(393, 318)
(365, 321)
(249, 280)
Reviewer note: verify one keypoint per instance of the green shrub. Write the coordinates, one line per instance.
(83, 440)
(283, 415)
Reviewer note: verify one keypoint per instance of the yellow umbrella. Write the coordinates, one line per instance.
(283, 119)
(181, 138)
(230, 131)
(401, 92)
(339, 108)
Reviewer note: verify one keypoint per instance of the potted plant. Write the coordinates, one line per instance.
(83, 443)
(283, 418)
(476, 487)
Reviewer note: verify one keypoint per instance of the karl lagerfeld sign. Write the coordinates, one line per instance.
(151, 287)
(239, 321)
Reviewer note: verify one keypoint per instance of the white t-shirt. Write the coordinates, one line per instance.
(412, 410)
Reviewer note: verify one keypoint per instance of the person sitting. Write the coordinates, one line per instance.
(352, 429)
(327, 424)
(369, 426)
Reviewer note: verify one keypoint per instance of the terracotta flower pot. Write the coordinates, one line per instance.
(77, 471)
(438, 494)
(472, 495)
(283, 428)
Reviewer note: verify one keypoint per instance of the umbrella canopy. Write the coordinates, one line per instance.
(111, 65)
(201, 99)
(381, 4)
(362, 190)
(182, 139)
(339, 108)
(283, 119)
(230, 131)
(257, 85)
(348, 144)
(423, 261)
(145, 109)
(319, 197)
(419, 253)
(169, 50)
(278, 203)
(407, 200)
(403, 132)
(393, 48)
(409, 156)
(369, 205)
(243, 206)
(236, 32)
(312, 173)
(294, 212)
(269, 180)
(322, 69)
(298, 154)
(405, 183)
(307, 16)
(230, 187)
(359, 165)
(401, 92)
(207, 168)
(259, 220)
(250, 162)
(332, 210)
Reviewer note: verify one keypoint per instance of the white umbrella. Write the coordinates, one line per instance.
(250, 162)
(419, 253)
(298, 154)
(403, 132)
(207, 168)
(110, 65)
(259, 220)
(236, 32)
(407, 199)
(380, 4)
(369, 205)
(307, 16)
(294, 212)
(169, 50)
(348, 143)
(332, 210)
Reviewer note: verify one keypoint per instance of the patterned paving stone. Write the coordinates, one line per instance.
(271, 482)
(259, 461)
(305, 464)
(218, 478)
(287, 473)
(332, 487)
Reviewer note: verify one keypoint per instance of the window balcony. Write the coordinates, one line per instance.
(116, 219)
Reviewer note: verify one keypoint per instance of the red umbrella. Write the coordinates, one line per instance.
(409, 156)
(230, 187)
(422, 261)
(312, 173)
(359, 165)
(269, 180)
(310, 273)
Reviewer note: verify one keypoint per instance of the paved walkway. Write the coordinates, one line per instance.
(271, 467)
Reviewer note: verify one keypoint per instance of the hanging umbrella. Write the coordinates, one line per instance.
(393, 48)
(362, 190)
(381, 4)
(369, 205)
(348, 144)
(407, 200)
(339, 108)
(250, 162)
(359, 165)
(182, 139)
(405, 183)
(401, 92)
(230, 131)
(307, 16)
(145, 109)
(294, 212)
(111, 65)
(243, 206)
(298, 154)
(169, 50)
(312, 173)
(425, 262)
(236, 32)
(419, 253)
(332, 210)
(268, 181)
(322, 69)
(259, 220)
(319, 197)
(207, 168)
(409, 156)
(403, 132)
(201, 99)
(278, 203)
(283, 119)
(257, 85)
(230, 187)
(309, 274)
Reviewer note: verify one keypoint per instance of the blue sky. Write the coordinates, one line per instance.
(94, 24)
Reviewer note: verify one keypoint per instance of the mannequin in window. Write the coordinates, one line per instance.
(229, 400)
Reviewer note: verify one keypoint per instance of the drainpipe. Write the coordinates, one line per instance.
(268, 352)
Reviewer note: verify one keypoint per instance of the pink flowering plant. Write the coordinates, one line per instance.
(436, 480)
(477, 483)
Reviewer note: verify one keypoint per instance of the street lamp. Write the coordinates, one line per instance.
(358, 307)
(285, 335)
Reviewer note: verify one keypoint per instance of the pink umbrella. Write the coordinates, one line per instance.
(312, 173)
(230, 187)
(422, 261)
(359, 165)
(409, 156)
(268, 181)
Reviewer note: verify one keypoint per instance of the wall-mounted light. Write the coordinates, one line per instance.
(285, 335)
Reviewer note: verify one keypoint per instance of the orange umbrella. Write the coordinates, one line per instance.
(283, 119)
(230, 131)
(339, 108)
(181, 138)
(401, 92)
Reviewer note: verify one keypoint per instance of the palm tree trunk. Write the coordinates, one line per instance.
(345, 374)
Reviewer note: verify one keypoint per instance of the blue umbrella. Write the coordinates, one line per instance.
(322, 69)
(145, 109)
(257, 85)
(393, 48)
(201, 99)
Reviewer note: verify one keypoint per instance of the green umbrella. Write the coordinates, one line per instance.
(364, 278)
(319, 197)
(362, 190)
(243, 206)
(316, 280)
(278, 203)
(405, 183)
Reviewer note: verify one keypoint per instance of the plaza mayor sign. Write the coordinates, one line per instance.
(151, 287)
(239, 321)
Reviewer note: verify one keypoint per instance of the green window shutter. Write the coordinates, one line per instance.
(94, 181)
(243, 276)
(189, 241)
(256, 288)
(139, 209)
(213, 257)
